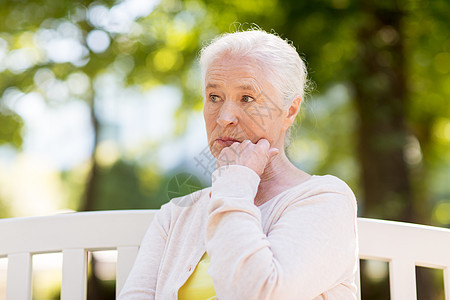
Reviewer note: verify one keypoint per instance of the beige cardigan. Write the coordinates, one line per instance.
(302, 244)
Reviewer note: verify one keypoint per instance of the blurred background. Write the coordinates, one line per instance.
(101, 108)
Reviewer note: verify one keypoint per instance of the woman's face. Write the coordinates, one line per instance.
(240, 103)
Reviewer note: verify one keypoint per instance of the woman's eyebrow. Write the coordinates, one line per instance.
(212, 86)
(247, 87)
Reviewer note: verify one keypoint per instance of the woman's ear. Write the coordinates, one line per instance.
(292, 112)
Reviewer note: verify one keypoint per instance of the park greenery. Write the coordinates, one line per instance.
(377, 111)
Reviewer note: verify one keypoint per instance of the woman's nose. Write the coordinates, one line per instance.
(227, 115)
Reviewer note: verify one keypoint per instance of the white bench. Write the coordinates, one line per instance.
(403, 245)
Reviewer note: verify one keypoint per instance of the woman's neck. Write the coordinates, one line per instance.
(275, 168)
(278, 175)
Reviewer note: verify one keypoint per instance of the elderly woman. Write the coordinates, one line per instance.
(264, 229)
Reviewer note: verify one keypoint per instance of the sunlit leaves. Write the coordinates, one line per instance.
(10, 128)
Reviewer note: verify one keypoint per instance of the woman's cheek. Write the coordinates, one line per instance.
(256, 123)
(209, 113)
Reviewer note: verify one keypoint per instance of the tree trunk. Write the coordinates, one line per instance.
(88, 202)
(381, 96)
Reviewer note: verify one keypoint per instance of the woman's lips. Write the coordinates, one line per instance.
(226, 142)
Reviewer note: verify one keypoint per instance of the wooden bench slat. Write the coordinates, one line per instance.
(18, 284)
(74, 282)
(447, 282)
(402, 279)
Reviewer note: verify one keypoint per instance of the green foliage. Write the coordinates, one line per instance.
(11, 129)
(161, 48)
(120, 187)
(126, 185)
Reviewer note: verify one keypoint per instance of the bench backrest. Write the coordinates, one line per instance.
(402, 245)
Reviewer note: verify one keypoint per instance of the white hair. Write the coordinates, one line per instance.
(278, 57)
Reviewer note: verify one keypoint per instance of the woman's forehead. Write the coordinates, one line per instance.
(241, 83)
(241, 73)
(238, 66)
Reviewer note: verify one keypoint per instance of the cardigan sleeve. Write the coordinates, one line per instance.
(141, 282)
(311, 248)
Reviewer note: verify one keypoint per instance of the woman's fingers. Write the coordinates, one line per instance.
(271, 152)
(255, 156)
(263, 143)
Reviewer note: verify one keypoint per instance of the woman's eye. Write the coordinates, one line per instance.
(247, 99)
(214, 98)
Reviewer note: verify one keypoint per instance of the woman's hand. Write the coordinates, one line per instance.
(254, 156)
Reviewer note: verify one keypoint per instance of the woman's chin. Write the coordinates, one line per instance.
(217, 147)
(216, 151)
